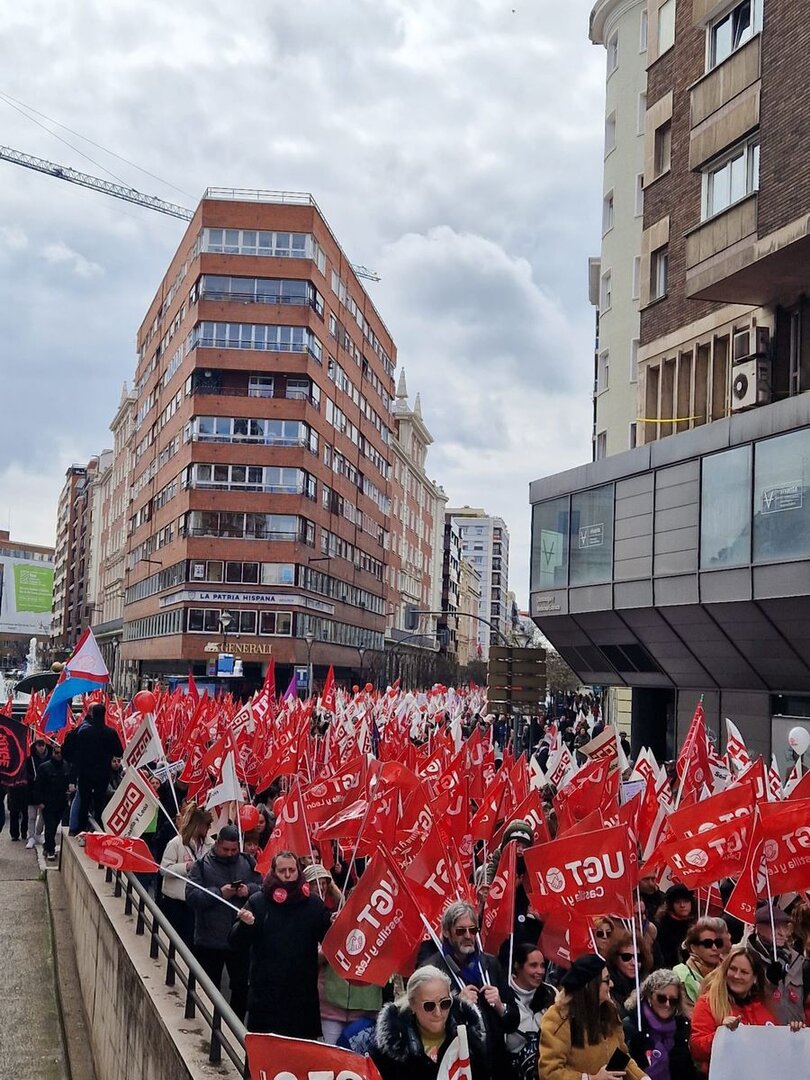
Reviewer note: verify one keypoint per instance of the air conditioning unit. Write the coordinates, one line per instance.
(749, 343)
(750, 384)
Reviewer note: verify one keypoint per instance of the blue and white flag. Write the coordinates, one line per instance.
(84, 672)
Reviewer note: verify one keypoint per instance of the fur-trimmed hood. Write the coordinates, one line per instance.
(397, 1038)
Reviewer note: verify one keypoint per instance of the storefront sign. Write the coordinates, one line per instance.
(782, 497)
(244, 648)
(592, 535)
(210, 596)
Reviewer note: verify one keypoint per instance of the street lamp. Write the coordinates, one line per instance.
(362, 650)
(309, 638)
(225, 621)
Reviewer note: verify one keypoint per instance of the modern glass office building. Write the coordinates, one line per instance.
(682, 568)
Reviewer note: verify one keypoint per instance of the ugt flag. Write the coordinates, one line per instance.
(84, 672)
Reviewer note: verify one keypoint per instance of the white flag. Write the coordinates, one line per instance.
(228, 788)
(737, 751)
(131, 808)
(455, 1064)
(144, 746)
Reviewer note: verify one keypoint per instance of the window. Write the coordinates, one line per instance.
(636, 276)
(591, 542)
(725, 513)
(641, 120)
(781, 497)
(613, 54)
(603, 371)
(735, 178)
(639, 209)
(733, 29)
(260, 386)
(634, 344)
(644, 24)
(659, 266)
(549, 568)
(610, 133)
(663, 148)
(632, 435)
(600, 446)
(606, 291)
(666, 26)
(607, 212)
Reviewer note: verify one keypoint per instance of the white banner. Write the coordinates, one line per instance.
(131, 808)
(144, 746)
(754, 1053)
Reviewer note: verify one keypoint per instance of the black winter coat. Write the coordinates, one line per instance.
(90, 750)
(639, 1042)
(397, 1048)
(213, 919)
(284, 943)
(51, 786)
(496, 1026)
(33, 763)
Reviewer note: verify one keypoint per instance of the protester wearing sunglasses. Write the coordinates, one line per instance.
(703, 945)
(624, 959)
(412, 1034)
(660, 1045)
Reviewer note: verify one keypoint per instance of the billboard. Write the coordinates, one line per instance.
(26, 596)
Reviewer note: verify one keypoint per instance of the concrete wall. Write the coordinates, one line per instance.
(136, 1023)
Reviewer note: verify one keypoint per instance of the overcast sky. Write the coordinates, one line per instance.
(453, 145)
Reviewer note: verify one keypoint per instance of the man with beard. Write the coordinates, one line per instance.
(282, 925)
(785, 969)
(483, 981)
(224, 874)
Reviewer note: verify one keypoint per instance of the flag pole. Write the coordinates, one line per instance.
(770, 908)
(194, 885)
(638, 983)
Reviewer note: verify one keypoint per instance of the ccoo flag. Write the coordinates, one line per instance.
(84, 672)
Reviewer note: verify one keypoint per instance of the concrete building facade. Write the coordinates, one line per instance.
(679, 568)
(26, 591)
(620, 26)
(468, 648)
(485, 544)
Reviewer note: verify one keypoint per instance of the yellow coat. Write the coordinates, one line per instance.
(559, 1060)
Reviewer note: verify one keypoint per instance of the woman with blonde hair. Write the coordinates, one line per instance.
(704, 943)
(732, 994)
(180, 854)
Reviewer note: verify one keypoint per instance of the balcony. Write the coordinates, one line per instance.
(721, 245)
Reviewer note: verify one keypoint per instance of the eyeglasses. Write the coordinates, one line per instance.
(603, 933)
(467, 931)
(665, 999)
(627, 956)
(711, 943)
(432, 1006)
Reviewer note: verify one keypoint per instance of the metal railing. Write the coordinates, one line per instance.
(201, 995)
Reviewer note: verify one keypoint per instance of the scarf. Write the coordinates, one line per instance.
(285, 892)
(662, 1034)
(698, 966)
(470, 970)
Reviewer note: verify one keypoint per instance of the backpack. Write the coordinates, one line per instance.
(524, 1062)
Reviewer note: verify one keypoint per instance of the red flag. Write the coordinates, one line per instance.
(270, 678)
(193, 692)
(778, 857)
(486, 817)
(595, 786)
(566, 935)
(499, 910)
(328, 697)
(290, 832)
(304, 1059)
(593, 872)
(9, 705)
(119, 852)
(14, 749)
(434, 881)
(378, 929)
(693, 765)
(735, 802)
(802, 789)
(708, 856)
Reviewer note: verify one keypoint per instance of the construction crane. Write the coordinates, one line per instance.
(119, 191)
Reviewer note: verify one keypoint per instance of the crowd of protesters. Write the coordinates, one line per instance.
(646, 1001)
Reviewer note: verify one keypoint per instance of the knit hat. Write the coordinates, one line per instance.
(315, 871)
(583, 970)
(678, 892)
(517, 830)
(763, 915)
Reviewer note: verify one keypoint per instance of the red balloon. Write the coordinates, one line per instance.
(145, 701)
(355, 689)
(249, 817)
(369, 687)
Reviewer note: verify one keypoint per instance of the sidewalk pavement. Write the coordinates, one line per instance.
(31, 1046)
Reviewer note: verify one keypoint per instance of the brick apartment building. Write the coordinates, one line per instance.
(681, 568)
(260, 490)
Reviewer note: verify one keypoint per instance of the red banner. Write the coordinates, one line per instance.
(593, 872)
(499, 911)
(119, 852)
(275, 1057)
(377, 931)
(778, 857)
